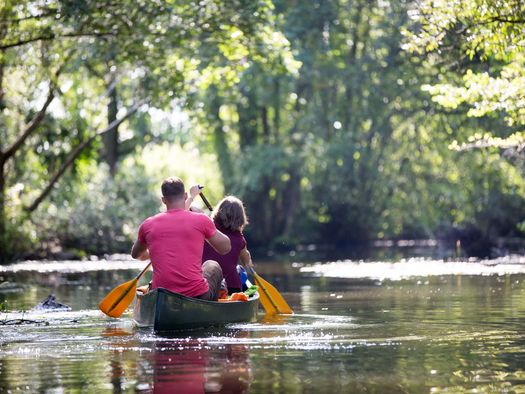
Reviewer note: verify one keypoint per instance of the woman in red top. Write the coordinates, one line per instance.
(230, 218)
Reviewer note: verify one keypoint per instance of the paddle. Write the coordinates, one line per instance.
(206, 202)
(271, 300)
(118, 299)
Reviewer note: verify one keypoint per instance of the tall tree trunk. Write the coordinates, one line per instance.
(3, 213)
(325, 111)
(268, 212)
(292, 201)
(219, 140)
(3, 220)
(110, 139)
(349, 118)
(247, 120)
(277, 107)
(265, 125)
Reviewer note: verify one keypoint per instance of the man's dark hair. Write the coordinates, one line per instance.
(172, 188)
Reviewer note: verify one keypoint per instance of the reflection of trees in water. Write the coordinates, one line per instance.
(117, 373)
(120, 357)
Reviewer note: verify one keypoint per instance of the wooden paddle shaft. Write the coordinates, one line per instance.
(206, 202)
(143, 271)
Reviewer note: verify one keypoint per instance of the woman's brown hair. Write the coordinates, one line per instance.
(229, 214)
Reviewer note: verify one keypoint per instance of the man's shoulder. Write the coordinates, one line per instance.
(198, 216)
(184, 215)
(154, 218)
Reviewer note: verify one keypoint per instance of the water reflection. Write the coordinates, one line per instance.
(193, 367)
(193, 362)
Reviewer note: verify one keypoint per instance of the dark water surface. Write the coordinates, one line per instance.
(416, 326)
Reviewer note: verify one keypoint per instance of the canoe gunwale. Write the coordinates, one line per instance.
(169, 311)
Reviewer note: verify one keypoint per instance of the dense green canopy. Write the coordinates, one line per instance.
(482, 43)
(337, 122)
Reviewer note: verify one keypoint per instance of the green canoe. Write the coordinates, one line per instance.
(165, 311)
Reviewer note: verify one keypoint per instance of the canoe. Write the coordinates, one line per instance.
(165, 310)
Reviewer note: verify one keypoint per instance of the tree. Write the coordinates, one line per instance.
(487, 36)
(157, 48)
(348, 148)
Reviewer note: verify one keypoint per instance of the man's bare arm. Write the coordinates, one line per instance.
(139, 251)
(193, 193)
(195, 209)
(220, 242)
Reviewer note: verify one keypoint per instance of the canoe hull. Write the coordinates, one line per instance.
(165, 311)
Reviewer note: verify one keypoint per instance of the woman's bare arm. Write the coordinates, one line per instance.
(246, 258)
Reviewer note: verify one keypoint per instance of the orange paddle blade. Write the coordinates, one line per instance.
(118, 299)
(271, 300)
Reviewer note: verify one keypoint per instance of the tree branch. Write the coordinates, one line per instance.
(39, 116)
(31, 126)
(73, 155)
(55, 36)
(503, 19)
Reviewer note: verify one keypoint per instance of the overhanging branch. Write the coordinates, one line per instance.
(55, 36)
(37, 118)
(73, 155)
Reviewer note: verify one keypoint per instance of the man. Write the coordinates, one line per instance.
(173, 240)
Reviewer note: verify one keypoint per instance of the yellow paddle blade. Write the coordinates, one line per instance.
(266, 302)
(271, 300)
(118, 299)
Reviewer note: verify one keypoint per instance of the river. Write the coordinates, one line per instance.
(412, 326)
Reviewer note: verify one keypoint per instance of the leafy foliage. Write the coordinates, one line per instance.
(70, 68)
(491, 31)
(349, 147)
(102, 214)
(310, 112)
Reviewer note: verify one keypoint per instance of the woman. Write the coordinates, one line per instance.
(230, 218)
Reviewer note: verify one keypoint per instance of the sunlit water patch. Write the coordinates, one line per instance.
(416, 268)
(113, 263)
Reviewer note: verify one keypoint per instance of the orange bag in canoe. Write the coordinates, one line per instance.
(239, 297)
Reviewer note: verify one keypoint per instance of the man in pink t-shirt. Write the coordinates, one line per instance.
(173, 241)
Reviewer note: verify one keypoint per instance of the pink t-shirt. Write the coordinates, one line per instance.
(174, 240)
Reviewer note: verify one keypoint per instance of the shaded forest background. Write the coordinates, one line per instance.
(337, 122)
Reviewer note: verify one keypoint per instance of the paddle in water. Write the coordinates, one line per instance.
(118, 299)
(271, 300)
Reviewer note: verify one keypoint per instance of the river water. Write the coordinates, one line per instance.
(413, 326)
